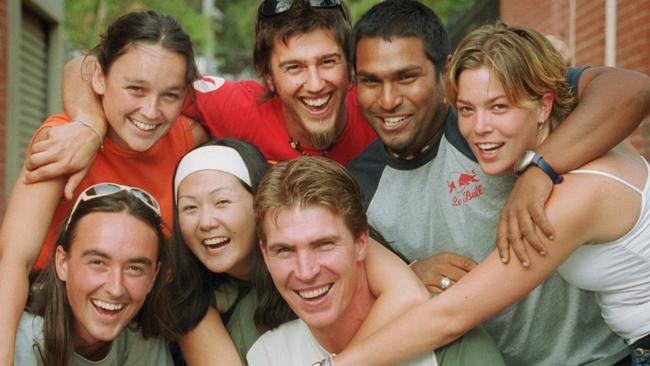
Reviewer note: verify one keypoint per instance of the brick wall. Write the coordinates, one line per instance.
(4, 56)
(632, 35)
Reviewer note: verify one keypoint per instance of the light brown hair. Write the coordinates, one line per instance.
(307, 182)
(524, 61)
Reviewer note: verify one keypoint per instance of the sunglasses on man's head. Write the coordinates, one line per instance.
(107, 189)
(275, 7)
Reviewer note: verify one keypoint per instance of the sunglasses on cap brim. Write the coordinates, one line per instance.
(275, 7)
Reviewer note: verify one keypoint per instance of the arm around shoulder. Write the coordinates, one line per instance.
(209, 343)
(26, 221)
(395, 286)
(71, 148)
(612, 103)
(477, 297)
(79, 98)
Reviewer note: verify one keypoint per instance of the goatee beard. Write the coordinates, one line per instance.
(322, 140)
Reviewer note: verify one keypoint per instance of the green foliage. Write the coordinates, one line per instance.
(444, 8)
(232, 37)
(235, 36)
(85, 20)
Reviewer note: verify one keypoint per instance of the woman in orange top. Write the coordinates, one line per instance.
(144, 69)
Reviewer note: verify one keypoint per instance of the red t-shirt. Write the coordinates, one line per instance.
(235, 109)
(151, 170)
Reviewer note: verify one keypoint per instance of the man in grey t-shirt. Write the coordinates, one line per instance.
(427, 196)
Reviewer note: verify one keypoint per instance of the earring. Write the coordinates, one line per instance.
(540, 126)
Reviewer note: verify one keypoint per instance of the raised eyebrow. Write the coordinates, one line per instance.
(501, 96)
(408, 69)
(331, 55)
(99, 253)
(95, 253)
(491, 100)
(300, 62)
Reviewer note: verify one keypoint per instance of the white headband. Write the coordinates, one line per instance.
(211, 157)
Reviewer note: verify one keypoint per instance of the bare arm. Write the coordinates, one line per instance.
(613, 102)
(480, 294)
(70, 148)
(209, 343)
(26, 221)
(394, 284)
(79, 98)
(199, 135)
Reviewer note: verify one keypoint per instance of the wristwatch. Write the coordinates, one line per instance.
(531, 157)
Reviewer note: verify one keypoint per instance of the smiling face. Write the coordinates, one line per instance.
(108, 272)
(217, 222)
(142, 94)
(316, 264)
(310, 76)
(497, 130)
(399, 92)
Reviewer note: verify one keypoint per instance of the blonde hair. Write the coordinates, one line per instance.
(306, 182)
(524, 61)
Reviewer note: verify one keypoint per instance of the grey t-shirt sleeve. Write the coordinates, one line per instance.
(573, 78)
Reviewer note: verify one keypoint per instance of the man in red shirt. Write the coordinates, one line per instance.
(304, 106)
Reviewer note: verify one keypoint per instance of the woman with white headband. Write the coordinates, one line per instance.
(215, 244)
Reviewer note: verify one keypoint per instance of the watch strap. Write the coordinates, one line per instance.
(543, 165)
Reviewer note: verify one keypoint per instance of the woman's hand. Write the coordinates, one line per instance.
(68, 149)
(523, 218)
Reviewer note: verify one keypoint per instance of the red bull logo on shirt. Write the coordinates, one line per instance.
(464, 187)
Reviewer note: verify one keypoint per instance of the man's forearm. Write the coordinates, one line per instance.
(612, 105)
(79, 99)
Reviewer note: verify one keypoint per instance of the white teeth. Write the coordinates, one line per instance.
(144, 126)
(215, 241)
(310, 294)
(488, 146)
(393, 121)
(107, 305)
(319, 102)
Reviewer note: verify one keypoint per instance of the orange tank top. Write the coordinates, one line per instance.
(151, 170)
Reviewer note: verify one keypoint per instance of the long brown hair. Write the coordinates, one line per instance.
(49, 297)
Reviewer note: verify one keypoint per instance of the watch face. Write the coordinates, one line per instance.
(524, 162)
